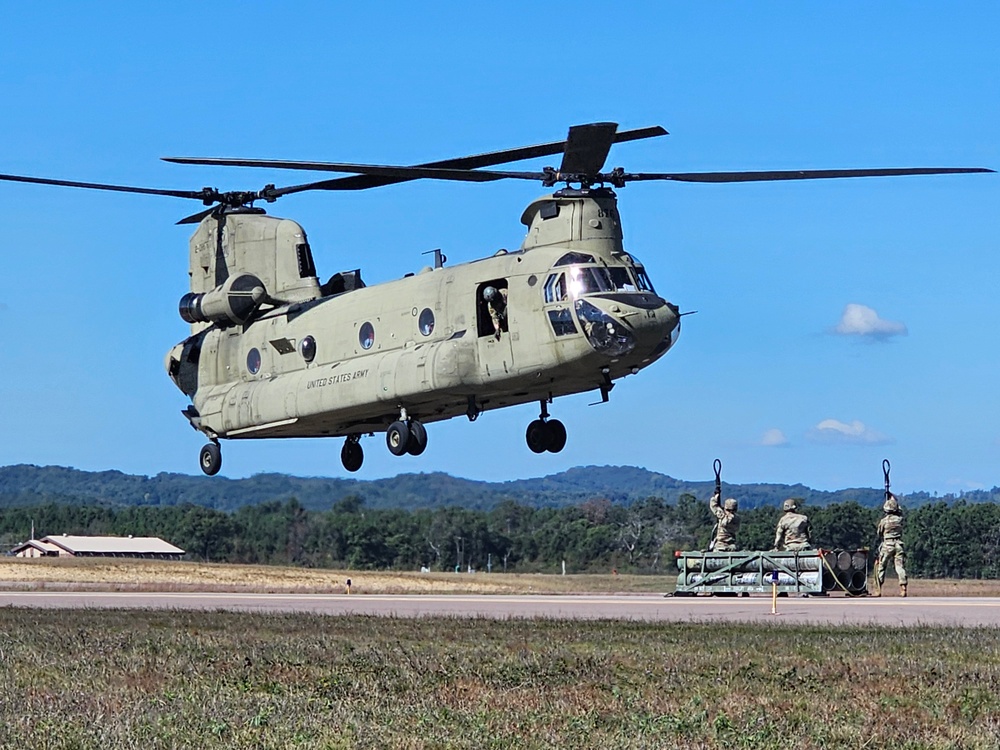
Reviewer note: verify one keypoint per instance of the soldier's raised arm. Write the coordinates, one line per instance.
(716, 506)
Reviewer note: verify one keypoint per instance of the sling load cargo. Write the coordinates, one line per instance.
(747, 572)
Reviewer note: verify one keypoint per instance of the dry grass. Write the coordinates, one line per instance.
(122, 574)
(116, 680)
(153, 575)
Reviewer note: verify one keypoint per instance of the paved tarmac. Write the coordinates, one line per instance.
(834, 610)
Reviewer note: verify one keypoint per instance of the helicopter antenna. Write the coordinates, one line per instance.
(439, 258)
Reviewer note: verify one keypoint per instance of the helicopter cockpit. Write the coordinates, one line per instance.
(578, 280)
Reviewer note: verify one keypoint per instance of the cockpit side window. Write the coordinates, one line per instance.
(555, 288)
(645, 284)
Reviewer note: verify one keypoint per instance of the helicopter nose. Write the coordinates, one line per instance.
(659, 331)
(647, 328)
(670, 332)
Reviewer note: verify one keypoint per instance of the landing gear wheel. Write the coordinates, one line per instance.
(537, 436)
(210, 459)
(417, 443)
(352, 455)
(557, 436)
(397, 438)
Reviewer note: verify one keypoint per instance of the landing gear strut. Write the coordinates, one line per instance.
(210, 458)
(544, 434)
(351, 455)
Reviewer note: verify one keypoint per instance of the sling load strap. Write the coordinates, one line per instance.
(834, 574)
(885, 473)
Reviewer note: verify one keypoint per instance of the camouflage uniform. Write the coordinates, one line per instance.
(728, 525)
(792, 533)
(890, 531)
(496, 303)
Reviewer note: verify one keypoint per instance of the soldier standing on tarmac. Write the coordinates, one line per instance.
(792, 533)
(890, 533)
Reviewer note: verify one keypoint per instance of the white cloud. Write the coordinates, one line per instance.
(773, 437)
(855, 432)
(861, 320)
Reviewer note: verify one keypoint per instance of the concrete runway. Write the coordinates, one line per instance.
(946, 611)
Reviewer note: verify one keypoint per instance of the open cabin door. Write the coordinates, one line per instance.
(493, 319)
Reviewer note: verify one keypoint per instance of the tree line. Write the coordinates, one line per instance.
(958, 540)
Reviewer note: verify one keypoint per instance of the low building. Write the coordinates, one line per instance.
(35, 548)
(149, 547)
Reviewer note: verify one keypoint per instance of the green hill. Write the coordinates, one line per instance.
(23, 485)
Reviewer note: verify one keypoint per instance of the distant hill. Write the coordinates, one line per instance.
(23, 485)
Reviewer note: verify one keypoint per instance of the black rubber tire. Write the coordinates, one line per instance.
(352, 455)
(557, 435)
(397, 438)
(537, 436)
(210, 459)
(417, 443)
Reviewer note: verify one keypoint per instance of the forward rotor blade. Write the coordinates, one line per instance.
(804, 174)
(367, 180)
(376, 170)
(194, 194)
(587, 148)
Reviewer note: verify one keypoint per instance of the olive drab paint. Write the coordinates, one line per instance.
(419, 345)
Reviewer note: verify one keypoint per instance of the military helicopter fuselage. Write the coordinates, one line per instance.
(274, 353)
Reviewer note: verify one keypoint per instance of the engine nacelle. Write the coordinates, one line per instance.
(230, 304)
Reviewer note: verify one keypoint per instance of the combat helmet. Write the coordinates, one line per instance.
(731, 505)
(789, 505)
(891, 505)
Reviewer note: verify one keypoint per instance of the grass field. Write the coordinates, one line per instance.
(152, 575)
(112, 679)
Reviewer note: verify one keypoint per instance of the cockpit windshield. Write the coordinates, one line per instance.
(590, 280)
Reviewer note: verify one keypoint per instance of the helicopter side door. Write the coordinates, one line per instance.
(493, 327)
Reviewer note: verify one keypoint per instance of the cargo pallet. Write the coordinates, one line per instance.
(812, 571)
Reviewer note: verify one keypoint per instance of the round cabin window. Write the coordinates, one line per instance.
(253, 361)
(427, 321)
(366, 336)
(308, 348)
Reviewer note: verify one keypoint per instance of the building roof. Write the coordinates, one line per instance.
(37, 544)
(109, 545)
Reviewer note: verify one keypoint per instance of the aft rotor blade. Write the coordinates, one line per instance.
(196, 218)
(802, 174)
(364, 181)
(194, 194)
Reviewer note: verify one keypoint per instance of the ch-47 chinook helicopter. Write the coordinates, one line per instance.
(274, 352)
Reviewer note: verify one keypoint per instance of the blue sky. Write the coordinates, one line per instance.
(839, 322)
